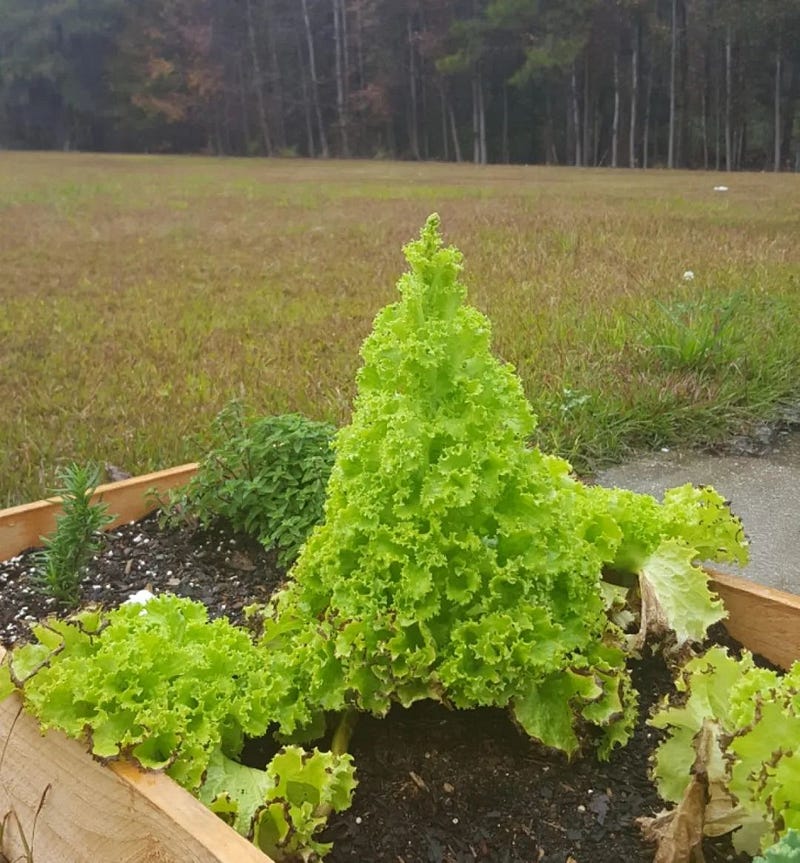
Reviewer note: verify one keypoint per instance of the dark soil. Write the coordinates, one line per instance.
(223, 570)
(435, 786)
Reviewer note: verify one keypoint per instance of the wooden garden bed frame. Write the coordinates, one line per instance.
(71, 809)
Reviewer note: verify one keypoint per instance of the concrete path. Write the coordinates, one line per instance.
(763, 492)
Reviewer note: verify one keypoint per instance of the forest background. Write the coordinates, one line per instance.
(640, 83)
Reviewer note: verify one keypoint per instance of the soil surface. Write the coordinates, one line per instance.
(223, 570)
(435, 786)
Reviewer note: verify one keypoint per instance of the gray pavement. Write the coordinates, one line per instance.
(763, 492)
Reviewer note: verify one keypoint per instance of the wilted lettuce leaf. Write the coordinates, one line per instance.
(659, 552)
(675, 599)
(754, 714)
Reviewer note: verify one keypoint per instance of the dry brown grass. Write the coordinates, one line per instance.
(139, 294)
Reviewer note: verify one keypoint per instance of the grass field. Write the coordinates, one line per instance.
(139, 294)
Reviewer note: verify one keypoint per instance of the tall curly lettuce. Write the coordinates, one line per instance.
(454, 561)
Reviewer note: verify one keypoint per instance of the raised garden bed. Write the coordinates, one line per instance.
(74, 809)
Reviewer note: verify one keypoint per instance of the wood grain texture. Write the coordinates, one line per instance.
(764, 620)
(88, 813)
(21, 527)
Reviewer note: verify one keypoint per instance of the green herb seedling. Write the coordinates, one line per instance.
(266, 476)
(62, 561)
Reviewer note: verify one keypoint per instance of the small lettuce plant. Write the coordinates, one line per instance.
(731, 758)
(159, 683)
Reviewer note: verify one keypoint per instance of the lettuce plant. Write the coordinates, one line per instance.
(158, 682)
(283, 807)
(454, 561)
(748, 722)
(163, 685)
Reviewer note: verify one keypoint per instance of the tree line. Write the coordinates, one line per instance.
(636, 83)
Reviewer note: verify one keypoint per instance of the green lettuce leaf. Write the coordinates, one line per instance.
(675, 596)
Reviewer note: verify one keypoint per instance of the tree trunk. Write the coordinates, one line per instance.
(615, 121)
(276, 80)
(258, 81)
(576, 117)
(673, 58)
(586, 130)
(505, 155)
(339, 39)
(597, 157)
(312, 65)
(360, 47)
(426, 138)
(790, 94)
(243, 103)
(706, 97)
(634, 95)
(740, 147)
(306, 101)
(413, 120)
(682, 134)
(550, 154)
(717, 124)
(476, 136)
(454, 132)
(647, 103)
(704, 128)
(728, 98)
(345, 51)
(443, 109)
(482, 120)
(778, 70)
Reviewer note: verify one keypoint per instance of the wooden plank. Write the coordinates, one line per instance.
(21, 527)
(764, 620)
(89, 813)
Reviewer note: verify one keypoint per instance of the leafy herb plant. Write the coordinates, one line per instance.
(265, 475)
(61, 563)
